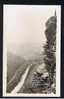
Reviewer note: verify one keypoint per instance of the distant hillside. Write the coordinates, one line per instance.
(27, 50)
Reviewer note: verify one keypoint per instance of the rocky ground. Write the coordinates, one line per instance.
(37, 81)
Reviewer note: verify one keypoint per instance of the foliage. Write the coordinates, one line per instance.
(50, 47)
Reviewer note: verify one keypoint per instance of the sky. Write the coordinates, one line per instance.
(24, 24)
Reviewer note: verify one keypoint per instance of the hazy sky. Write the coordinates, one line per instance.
(25, 24)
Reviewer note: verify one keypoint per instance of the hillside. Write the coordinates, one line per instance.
(13, 63)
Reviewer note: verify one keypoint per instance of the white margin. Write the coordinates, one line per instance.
(58, 51)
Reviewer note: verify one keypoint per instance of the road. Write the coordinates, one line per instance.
(20, 84)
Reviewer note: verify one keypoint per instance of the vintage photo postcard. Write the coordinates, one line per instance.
(31, 50)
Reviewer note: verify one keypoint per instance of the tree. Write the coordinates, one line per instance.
(50, 47)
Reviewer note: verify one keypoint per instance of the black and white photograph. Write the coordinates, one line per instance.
(31, 50)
